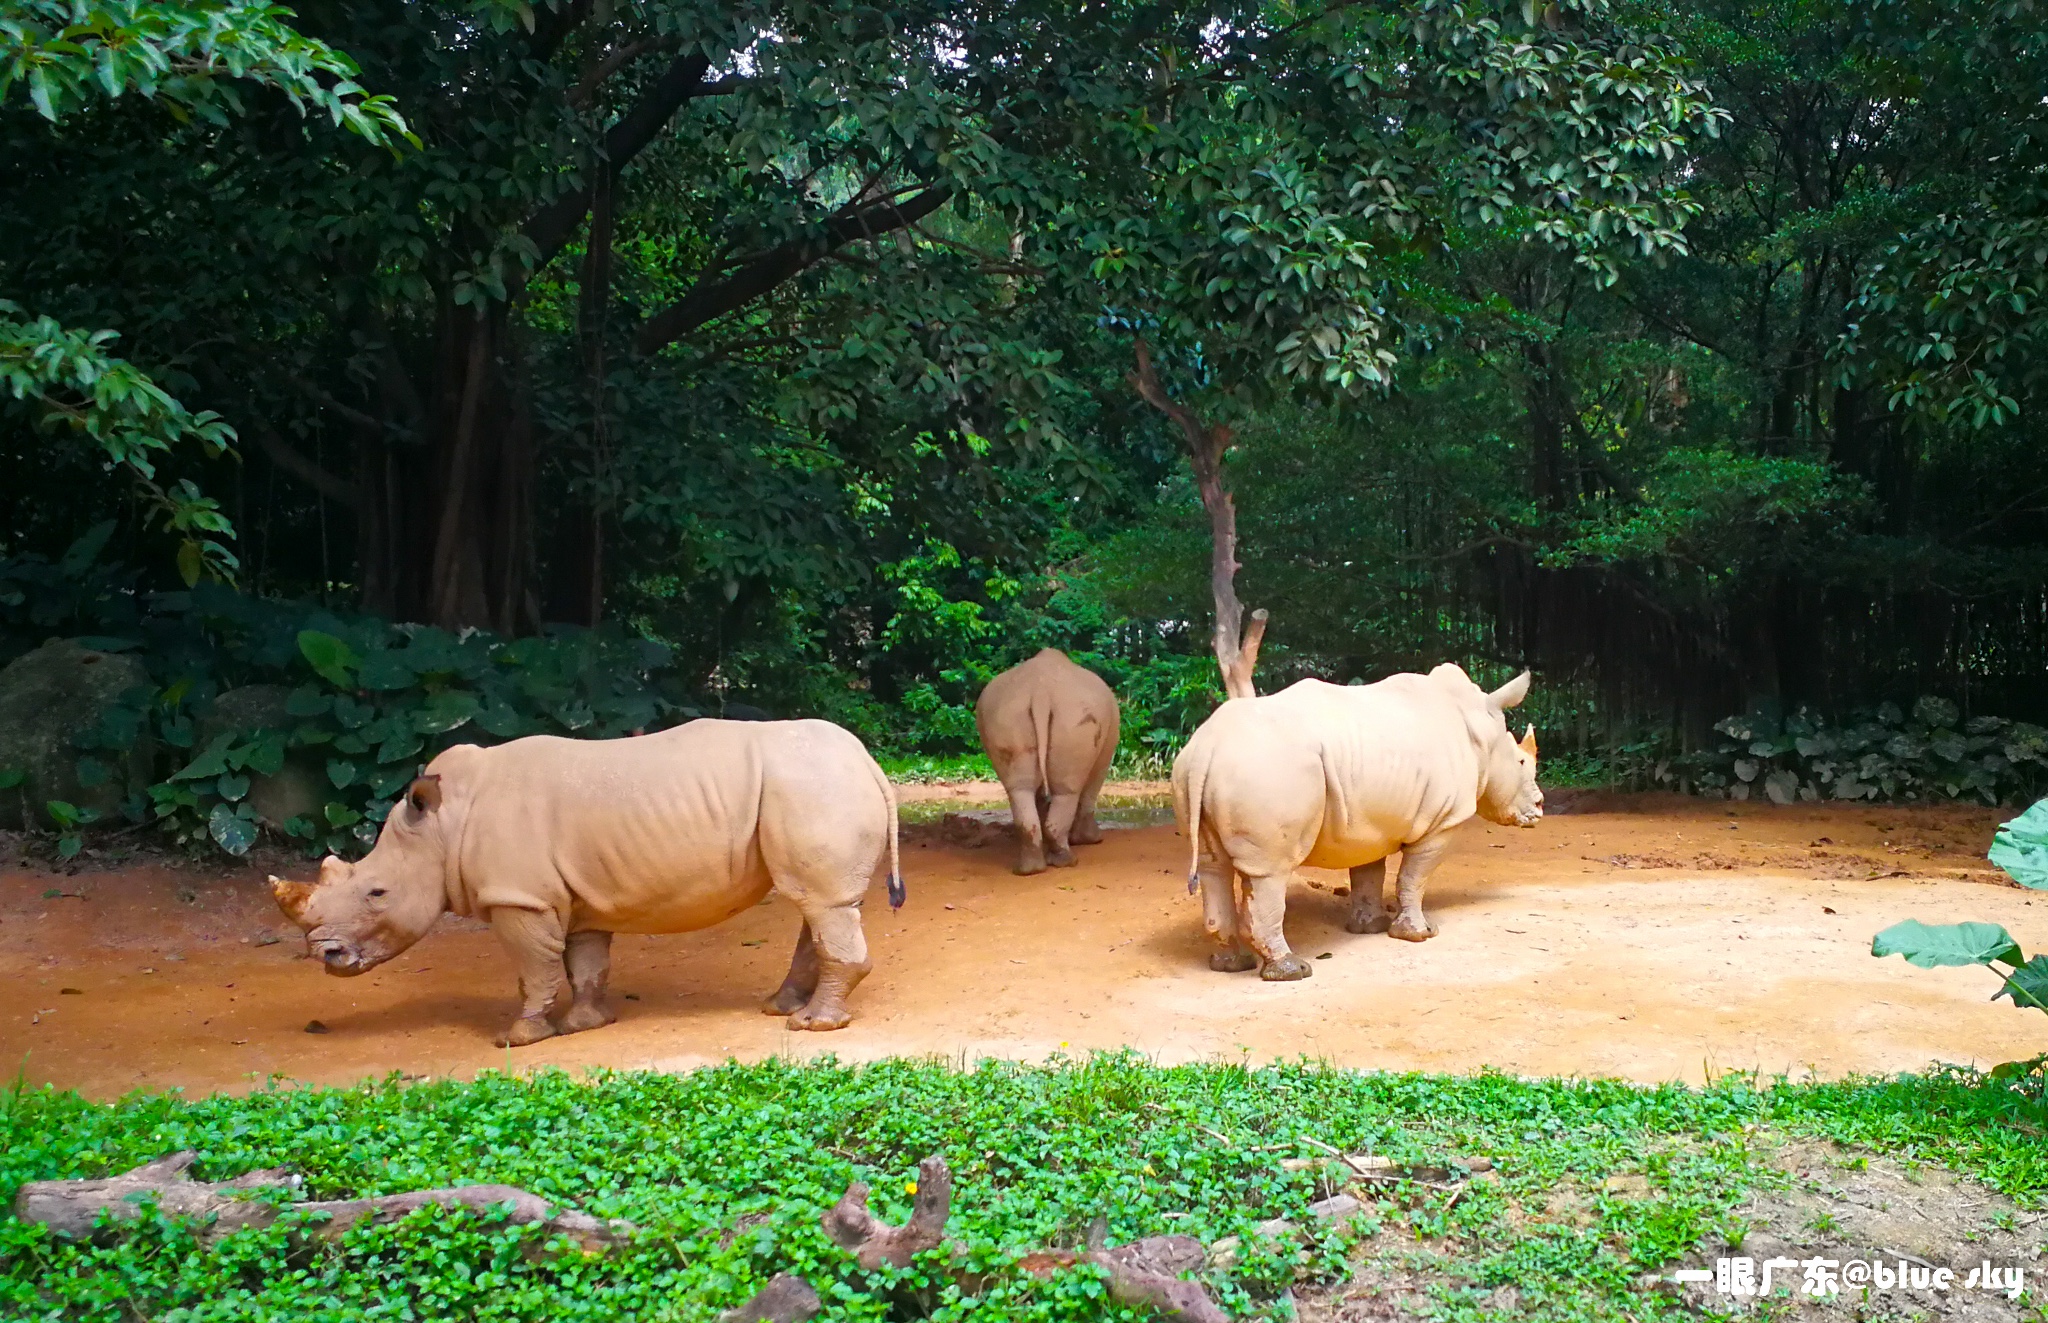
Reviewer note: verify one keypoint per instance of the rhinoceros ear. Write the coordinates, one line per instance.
(1510, 694)
(1529, 742)
(425, 793)
(291, 896)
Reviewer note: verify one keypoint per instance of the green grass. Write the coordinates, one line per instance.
(1037, 1152)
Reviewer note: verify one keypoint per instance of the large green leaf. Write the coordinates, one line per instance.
(2027, 985)
(2021, 848)
(231, 831)
(211, 762)
(333, 659)
(1947, 944)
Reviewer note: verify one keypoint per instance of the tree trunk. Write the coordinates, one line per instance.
(1237, 646)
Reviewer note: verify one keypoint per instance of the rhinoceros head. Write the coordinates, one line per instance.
(358, 915)
(1508, 793)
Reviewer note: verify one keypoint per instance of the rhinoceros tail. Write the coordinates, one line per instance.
(1041, 731)
(1198, 776)
(898, 893)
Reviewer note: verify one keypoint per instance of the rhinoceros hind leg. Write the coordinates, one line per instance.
(588, 956)
(1236, 960)
(1030, 830)
(842, 964)
(801, 981)
(1286, 969)
(1368, 907)
(1059, 823)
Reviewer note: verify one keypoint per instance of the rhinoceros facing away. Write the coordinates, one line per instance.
(1049, 727)
(560, 843)
(1337, 776)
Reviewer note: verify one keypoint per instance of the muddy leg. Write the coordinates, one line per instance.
(1219, 916)
(1369, 912)
(800, 982)
(535, 940)
(588, 956)
(1030, 834)
(1086, 830)
(842, 955)
(1418, 860)
(1059, 821)
(1266, 908)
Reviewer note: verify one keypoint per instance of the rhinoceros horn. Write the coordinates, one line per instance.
(291, 896)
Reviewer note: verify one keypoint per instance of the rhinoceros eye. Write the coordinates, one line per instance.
(376, 891)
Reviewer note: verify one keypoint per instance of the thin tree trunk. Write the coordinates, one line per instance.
(1236, 644)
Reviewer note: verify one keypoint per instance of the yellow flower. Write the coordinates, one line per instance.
(910, 1187)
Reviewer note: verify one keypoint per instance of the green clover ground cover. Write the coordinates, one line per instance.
(727, 1169)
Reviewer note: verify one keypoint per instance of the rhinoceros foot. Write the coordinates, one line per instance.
(1234, 961)
(821, 1018)
(1061, 859)
(1026, 867)
(527, 1029)
(1377, 922)
(585, 1016)
(1409, 931)
(1286, 969)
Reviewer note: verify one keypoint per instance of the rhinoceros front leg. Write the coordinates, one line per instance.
(588, 956)
(800, 982)
(1266, 912)
(1030, 831)
(842, 954)
(535, 940)
(1219, 916)
(1369, 913)
(1418, 860)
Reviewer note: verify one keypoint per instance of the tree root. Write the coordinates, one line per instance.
(787, 1299)
(75, 1208)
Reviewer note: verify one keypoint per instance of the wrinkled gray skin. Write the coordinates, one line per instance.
(1340, 776)
(560, 843)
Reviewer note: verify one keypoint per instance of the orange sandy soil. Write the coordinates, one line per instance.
(1651, 938)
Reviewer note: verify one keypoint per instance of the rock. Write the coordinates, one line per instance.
(48, 699)
(299, 788)
(1336, 1210)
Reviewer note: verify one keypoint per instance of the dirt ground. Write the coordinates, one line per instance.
(1650, 938)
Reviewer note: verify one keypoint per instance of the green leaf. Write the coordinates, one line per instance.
(230, 831)
(341, 773)
(341, 815)
(1947, 944)
(266, 756)
(386, 671)
(232, 787)
(10, 777)
(398, 748)
(69, 844)
(211, 762)
(445, 711)
(333, 659)
(2027, 985)
(306, 701)
(92, 772)
(2021, 848)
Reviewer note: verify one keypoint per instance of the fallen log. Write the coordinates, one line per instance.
(786, 1299)
(1144, 1273)
(75, 1208)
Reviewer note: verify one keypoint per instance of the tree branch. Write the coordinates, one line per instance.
(709, 301)
(614, 60)
(280, 452)
(554, 224)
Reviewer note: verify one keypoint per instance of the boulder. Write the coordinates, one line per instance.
(299, 788)
(50, 698)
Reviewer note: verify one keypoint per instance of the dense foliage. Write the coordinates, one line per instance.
(1686, 357)
(729, 1168)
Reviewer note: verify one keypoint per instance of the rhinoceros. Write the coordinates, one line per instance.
(1050, 728)
(560, 843)
(1341, 776)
